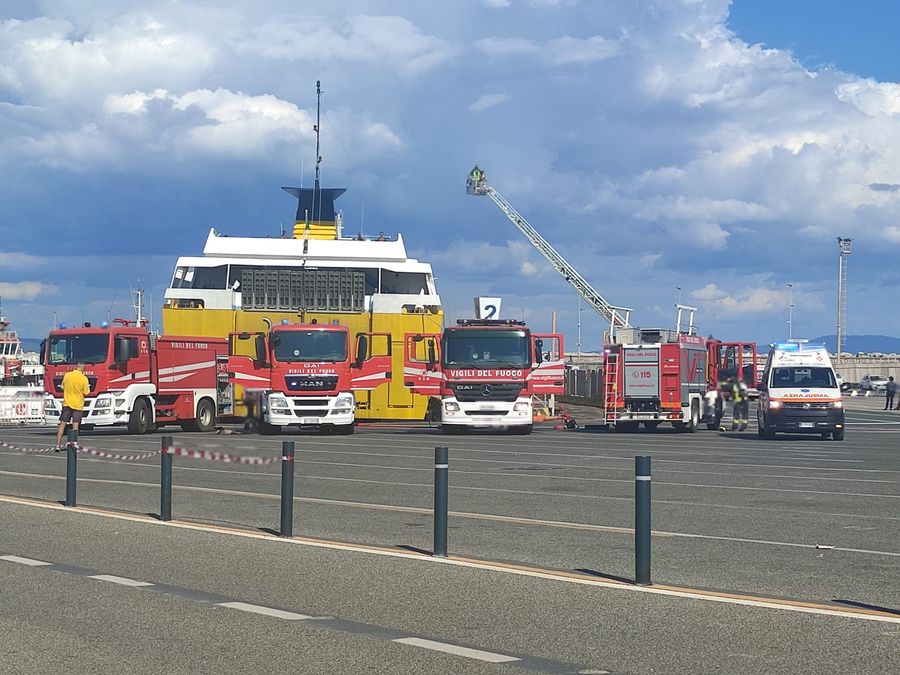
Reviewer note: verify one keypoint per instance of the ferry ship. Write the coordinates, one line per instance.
(313, 274)
(21, 381)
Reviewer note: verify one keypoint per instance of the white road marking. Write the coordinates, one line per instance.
(478, 654)
(24, 561)
(122, 581)
(268, 611)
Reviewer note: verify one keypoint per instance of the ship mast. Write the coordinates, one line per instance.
(317, 196)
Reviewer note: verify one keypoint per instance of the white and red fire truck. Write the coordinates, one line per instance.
(137, 378)
(651, 376)
(484, 372)
(305, 374)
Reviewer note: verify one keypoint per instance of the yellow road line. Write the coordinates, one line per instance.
(509, 568)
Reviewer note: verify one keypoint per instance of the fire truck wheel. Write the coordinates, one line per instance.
(694, 424)
(626, 427)
(139, 419)
(651, 426)
(267, 429)
(206, 416)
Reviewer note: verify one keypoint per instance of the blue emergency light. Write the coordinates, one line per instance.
(787, 346)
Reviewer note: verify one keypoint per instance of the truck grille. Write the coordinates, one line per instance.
(809, 405)
(310, 382)
(57, 383)
(468, 392)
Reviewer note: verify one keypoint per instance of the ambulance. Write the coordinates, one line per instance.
(799, 393)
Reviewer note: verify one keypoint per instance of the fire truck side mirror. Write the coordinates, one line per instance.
(121, 351)
(362, 350)
(43, 352)
(538, 350)
(261, 354)
(432, 356)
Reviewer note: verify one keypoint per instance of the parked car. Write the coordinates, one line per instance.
(843, 386)
(875, 383)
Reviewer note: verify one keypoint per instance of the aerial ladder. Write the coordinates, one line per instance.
(618, 317)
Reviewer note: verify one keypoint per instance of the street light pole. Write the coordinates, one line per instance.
(790, 311)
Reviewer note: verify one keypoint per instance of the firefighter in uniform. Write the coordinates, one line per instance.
(740, 405)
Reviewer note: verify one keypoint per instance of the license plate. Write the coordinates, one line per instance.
(807, 425)
(309, 420)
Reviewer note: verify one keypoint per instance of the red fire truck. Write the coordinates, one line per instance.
(305, 374)
(137, 378)
(651, 376)
(484, 372)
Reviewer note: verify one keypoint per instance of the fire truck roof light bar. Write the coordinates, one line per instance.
(489, 322)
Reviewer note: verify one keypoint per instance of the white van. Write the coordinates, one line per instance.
(799, 393)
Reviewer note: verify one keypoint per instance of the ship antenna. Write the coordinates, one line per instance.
(316, 195)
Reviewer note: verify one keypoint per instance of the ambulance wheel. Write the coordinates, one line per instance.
(768, 433)
(344, 429)
(523, 430)
(838, 434)
(139, 419)
(452, 429)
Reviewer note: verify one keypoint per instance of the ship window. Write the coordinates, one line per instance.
(210, 277)
(403, 283)
(287, 289)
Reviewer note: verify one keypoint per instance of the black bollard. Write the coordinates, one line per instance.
(71, 466)
(165, 480)
(287, 488)
(441, 468)
(642, 520)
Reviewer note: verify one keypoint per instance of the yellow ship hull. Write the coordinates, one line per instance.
(391, 401)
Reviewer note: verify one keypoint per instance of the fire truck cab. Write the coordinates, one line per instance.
(305, 374)
(484, 372)
(137, 378)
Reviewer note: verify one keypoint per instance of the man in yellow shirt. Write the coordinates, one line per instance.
(75, 387)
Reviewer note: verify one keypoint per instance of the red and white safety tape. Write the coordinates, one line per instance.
(114, 455)
(210, 455)
(223, 457)
(35, 450)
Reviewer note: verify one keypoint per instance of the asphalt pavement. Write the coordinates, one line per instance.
(796, 518)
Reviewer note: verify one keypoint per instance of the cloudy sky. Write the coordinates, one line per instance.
(714, 147)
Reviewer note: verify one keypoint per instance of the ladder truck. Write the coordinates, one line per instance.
(650, 376)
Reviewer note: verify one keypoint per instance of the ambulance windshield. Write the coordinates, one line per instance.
(803, 377)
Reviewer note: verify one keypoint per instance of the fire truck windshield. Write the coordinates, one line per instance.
(310, 345)
(78, 348)
(487, 348)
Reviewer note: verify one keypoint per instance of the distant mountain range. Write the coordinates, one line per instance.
(861, 343)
